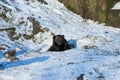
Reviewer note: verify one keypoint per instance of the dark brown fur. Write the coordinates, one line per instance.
(59, 44)
(10, 55)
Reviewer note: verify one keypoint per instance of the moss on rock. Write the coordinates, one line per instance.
(98, 10)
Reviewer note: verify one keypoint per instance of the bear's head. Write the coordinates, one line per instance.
(59, 40)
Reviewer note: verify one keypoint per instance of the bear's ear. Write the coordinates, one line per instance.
(54, 37)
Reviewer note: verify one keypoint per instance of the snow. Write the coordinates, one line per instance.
(95, 47)
(116, 6)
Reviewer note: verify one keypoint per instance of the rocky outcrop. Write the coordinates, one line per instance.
(98, 10)
(113, 18)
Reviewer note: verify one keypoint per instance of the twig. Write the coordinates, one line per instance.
(2, 48)
(5, 45)
(100, 77)
(7, 29)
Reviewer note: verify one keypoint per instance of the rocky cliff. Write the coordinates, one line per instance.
(98, 10)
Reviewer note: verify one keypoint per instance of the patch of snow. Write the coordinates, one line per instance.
(116, 6)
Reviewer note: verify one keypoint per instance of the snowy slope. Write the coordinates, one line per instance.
(95, 53)
(116, 6)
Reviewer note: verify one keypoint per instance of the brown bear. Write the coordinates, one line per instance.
(59, 44)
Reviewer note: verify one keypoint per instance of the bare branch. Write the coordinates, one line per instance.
(7, 29)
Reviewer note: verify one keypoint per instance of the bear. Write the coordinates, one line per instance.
(10, 55)
(59, 43)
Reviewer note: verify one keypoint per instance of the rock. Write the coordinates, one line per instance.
(98, 10)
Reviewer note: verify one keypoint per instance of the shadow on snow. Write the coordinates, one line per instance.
(72, 43)
(6, 65)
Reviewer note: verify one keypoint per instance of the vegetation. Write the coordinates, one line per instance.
(97, 10)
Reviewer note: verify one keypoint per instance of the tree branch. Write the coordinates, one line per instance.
(7, 29)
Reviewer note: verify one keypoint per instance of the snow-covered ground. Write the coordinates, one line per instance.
(95, 52)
